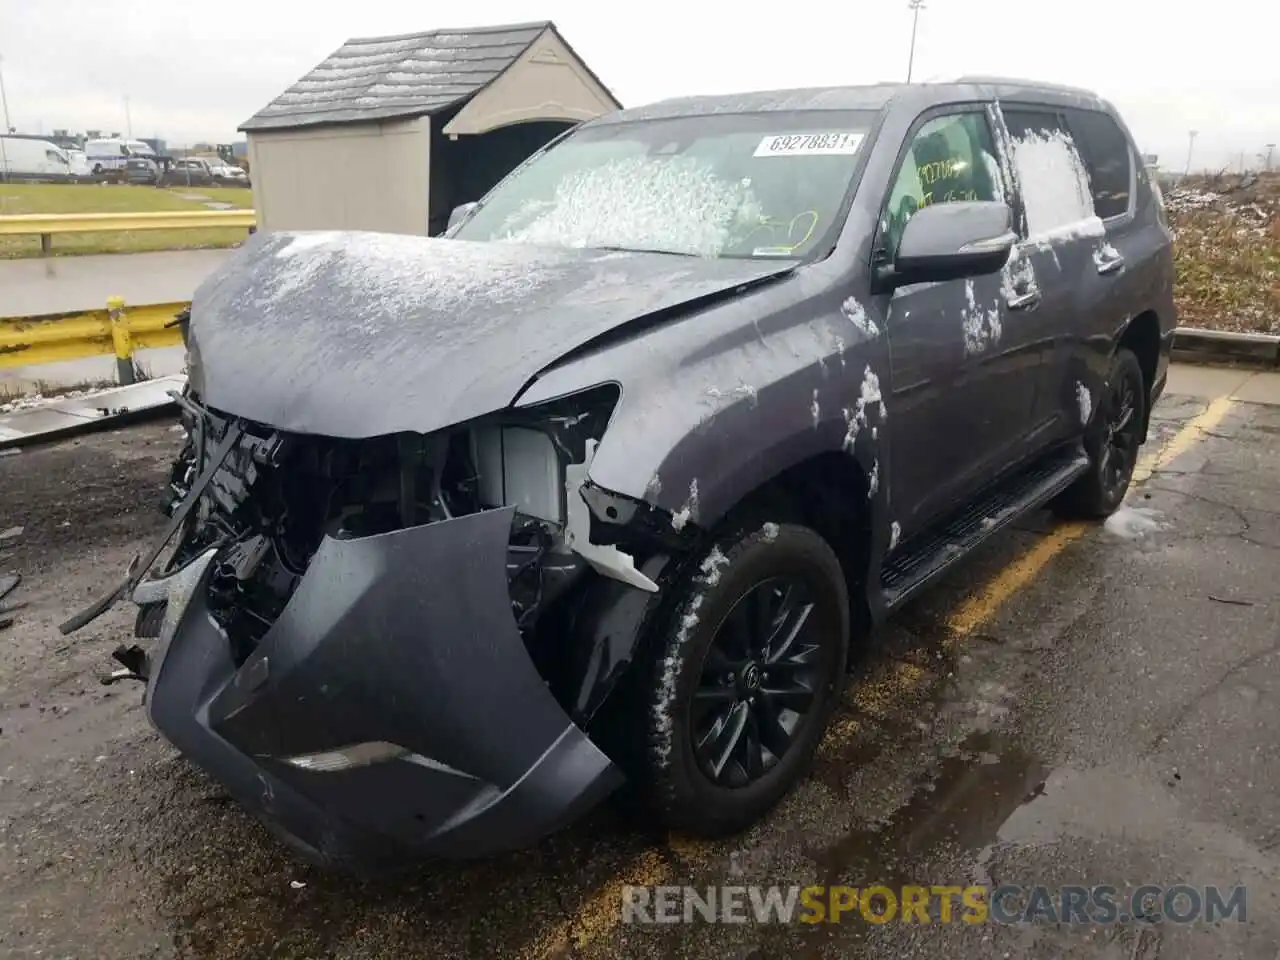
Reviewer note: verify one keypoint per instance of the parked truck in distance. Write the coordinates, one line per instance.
(31, 158)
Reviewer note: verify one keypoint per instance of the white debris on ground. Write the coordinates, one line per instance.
(895, 534)
(1135, 523)
(769, 532)
(873, 480)
(816, 411)
(1085, 401)
(34, 401)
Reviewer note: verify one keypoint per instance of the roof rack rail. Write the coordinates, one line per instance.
(1023, 82)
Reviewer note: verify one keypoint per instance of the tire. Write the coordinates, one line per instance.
(744, 572)
(1112, 439)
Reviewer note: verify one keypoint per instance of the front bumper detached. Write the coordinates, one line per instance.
(399, 650)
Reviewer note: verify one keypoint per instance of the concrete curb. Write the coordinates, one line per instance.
(1207, 346)
(107, 408)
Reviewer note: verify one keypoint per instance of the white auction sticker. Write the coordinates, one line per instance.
(809, 144)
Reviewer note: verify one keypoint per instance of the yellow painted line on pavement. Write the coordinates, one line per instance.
(983, 605)
(1183, 440)
(601, 914)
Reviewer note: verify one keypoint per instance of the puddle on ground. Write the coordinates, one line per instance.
(1135, 523)
(963, 802)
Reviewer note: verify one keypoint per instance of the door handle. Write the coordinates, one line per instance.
(1024, 301)
(1112, 265)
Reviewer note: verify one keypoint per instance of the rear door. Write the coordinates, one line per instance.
(1052, 267)
(1126, 261)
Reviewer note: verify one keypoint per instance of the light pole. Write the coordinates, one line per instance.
(4, 153)
(1190, 147)
(4, 100)
(915, 6)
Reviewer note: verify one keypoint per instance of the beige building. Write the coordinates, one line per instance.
(392, 133)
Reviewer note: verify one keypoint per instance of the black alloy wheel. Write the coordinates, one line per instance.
(1113, 440)
(744, 671)
(758, 683)
(1119, 453)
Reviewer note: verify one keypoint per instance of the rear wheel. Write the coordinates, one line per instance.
(1112, 440)
(746, 676)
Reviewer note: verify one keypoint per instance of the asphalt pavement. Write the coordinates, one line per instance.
(1078, 704)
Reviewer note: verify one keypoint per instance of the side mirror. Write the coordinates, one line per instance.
(951, 241)
(460, 213)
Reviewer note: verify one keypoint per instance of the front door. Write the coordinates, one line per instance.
(962, 375)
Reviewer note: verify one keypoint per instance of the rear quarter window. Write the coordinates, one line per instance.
(1106, 153)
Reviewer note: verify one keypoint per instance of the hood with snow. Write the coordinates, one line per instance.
(352, 334)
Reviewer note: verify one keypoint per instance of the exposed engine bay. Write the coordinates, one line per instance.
(278, 495)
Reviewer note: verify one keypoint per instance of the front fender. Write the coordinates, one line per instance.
(721, 401)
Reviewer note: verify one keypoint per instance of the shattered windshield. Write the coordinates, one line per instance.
(729, 185)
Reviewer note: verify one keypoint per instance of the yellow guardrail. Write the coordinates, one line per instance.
(51, 223)
(118, 329)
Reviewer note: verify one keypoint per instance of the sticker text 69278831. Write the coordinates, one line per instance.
(809, 144)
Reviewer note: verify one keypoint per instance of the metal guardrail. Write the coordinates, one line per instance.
(48, 224)
(118, 330)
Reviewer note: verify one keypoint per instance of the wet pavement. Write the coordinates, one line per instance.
(1078, 704)
(64, 284)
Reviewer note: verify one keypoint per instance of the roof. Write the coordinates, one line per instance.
(813, 98)
(871, 97)
(381, 78)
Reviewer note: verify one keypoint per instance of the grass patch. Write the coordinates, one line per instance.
(1227, 252)
(21, 198)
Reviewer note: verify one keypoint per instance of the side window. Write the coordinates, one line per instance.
(1108, 157)
(1050, 172)
(950, 158)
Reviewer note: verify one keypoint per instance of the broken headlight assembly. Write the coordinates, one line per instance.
(278, 495)
(537, 460)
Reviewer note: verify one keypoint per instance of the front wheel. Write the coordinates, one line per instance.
(746, 675)
(1112, 440)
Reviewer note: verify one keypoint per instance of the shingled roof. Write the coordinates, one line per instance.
(381, 78)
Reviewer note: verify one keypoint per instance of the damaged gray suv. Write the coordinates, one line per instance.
(613, 482)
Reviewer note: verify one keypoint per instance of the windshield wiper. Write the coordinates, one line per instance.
(670, 253)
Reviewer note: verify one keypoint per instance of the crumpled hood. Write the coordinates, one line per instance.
(353, 334)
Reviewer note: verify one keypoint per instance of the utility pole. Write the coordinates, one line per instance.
(4, 100)
(1271, 149)
(4, 154)
(1190, 147)
(128, 119)
(915, 6)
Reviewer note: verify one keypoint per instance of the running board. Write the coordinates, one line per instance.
(926, 556)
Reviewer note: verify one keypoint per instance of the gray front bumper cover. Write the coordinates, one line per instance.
(403, 638)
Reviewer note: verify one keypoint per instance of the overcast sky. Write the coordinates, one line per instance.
(196, 71)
